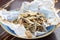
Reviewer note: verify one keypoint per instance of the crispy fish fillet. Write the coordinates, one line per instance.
(29, 34)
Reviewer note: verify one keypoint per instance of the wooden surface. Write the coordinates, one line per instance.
(2, 2)
(5, 36)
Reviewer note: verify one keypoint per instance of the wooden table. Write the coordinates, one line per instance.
(5, 36)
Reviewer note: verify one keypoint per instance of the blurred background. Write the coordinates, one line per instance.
(16, 4)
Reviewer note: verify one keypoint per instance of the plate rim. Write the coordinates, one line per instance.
(28, 38)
